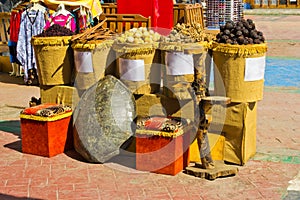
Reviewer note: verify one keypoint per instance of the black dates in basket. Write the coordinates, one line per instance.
(241, 32)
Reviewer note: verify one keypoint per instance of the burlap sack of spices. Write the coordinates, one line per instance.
(138, 67)
(93, 60)
(239, 129)
(178, 68)
(239, 71)
(54, 57)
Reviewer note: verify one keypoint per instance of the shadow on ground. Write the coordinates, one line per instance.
(6, 78)
(9, 197)
(17, 146)
(13, 127)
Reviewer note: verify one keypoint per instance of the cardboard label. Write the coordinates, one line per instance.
(255, 68)
(83, 61)
(132, 70)
(179, 63)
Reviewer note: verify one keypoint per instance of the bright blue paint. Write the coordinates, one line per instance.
(282, 72)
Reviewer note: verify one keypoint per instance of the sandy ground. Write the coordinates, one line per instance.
(282, 34)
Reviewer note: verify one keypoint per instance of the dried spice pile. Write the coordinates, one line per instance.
(56, 30)
(195, 32)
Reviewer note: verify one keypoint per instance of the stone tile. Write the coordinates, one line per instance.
(48, 192)
(113, 194)
(18, 182)
(39, 182)
(78, 194)
(32, 171)
(17, 191)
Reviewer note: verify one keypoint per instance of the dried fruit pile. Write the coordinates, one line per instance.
(242, 32)
(195, 32)
(56, 30)
(139, 35)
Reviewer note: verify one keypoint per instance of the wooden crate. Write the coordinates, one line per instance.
(109, 8)
(4, 35)
(194, 14)
(123, 22)
(188, 14)
(179, 13)
(182, 13)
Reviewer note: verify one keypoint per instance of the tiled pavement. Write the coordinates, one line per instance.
(67, 176)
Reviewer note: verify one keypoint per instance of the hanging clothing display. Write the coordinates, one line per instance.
(93, 5)
(85, 19)
(32, 23)
(67, 21)
(15, 19)
(29, 19)
(63, 18)
(82, 19)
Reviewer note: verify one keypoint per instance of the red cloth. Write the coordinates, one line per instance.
(155, 123)
(15, 21)
(34, 109)
(160, 11)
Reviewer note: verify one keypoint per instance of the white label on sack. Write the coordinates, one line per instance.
(178, 63)
(132, 70)
(255, 68)
(83, 61)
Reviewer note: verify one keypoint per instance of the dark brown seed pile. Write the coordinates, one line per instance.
(242, 32)
(56, 30)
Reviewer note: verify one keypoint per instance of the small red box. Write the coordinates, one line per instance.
(46, 136)
(160, 153)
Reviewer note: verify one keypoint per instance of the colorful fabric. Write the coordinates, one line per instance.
(46, 110)
(158, 123)
(67, 21)
(13, 52)
(32, 23)
(15, 20)
(93, 5)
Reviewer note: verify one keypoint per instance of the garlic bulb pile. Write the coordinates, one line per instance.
(139, 35)
(176, 36)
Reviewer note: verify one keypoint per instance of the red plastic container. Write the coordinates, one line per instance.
(160, 11)
(46, 136)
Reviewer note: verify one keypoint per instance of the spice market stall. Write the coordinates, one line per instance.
(137, 91)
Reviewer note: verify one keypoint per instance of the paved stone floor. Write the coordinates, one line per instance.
(273, 173)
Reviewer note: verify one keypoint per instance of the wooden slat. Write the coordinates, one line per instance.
(4, 24)
(119, 27)
(124, 22)
(109, 8)
(178, 13)
(194, 14)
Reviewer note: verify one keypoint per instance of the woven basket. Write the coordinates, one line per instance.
(54, 58)
(151, 59)
(103, 62)
(230, 70)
